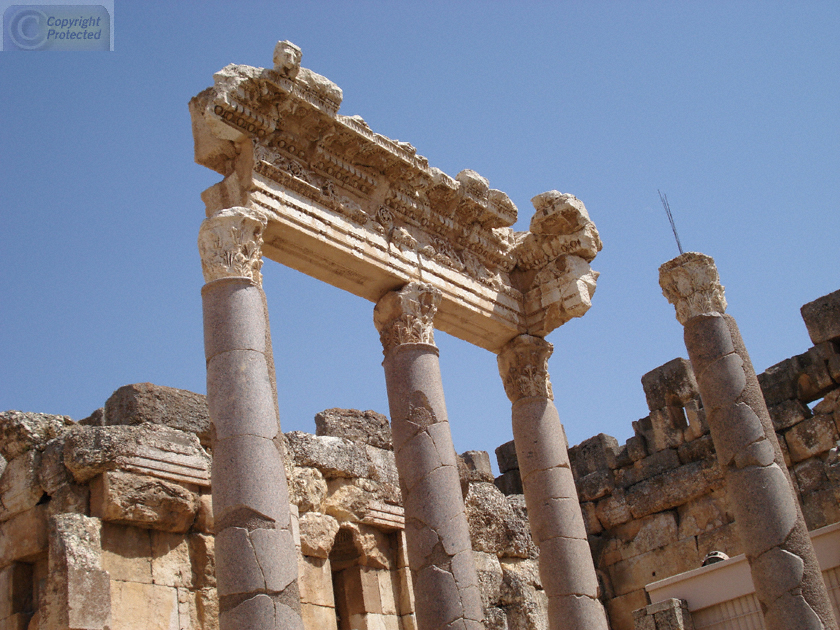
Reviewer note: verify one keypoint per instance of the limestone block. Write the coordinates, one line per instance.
(367, 427)
(315, 582)
(21, 431)
(207, 609)
(78, 590)
(334, 457)
(203, 560)
(52, 473)
(489, 577)
(474, 466)
(668, 428)
(590, 519)
(636, 448)
(778, 382)
(509, 482)
(821, 508)
(659, 462)
(143, 606)
(671, 614)
(307, 489)
(595, 485)
(810, 475)
(620, 609)
(373, 547)
(787, 413)
(667, 490)
(634, 573)
(598, 453)
(171, 562)
(318, 617)
(829, 404)
(204, 515)
(127, 553)
(145, 449)
(383, 469)
(129, 499)
(19, 488)
(646, 534)
(24, 536)
(317, 534)
(822, 317)
(810, 438)
(506, 457)
(670, 384)
(699, 449)
(814, 380)
(704, 513)
(530, 612)
(613, 510)
(348, 500)
(405, 603)
(498, 524)
(145, 403)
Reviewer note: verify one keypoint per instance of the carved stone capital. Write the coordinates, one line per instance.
(691, 283)
(523, 366)
(407, 315)
(230, 244)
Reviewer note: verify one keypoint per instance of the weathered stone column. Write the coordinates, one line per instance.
(256, 560)
(784, 568)
(437, 536)
(566, 567)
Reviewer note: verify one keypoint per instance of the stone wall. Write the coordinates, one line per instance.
(107, 522)
(655, 506)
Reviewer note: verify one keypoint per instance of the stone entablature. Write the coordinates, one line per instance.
(368, 214)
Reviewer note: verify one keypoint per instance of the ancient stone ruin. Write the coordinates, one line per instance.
(167, 509)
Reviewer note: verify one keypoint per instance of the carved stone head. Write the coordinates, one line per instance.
(287, 59)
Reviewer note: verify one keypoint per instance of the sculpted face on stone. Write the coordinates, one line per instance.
(287, 58)
(691, 283)
(230, 245)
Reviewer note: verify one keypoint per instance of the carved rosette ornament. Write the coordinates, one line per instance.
(691, 283)
(523, 366)
(407, 315)
(230, 244)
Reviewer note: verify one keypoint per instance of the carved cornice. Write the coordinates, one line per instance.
(407, 315)
(523, 366)
(691, 283)
(230, 243)
(330, 181)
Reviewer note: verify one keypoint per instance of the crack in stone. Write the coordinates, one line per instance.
(245, 518)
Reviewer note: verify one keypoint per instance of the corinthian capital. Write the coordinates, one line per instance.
(407, 315)
(230, 244)
(523, 366)
(691, 283)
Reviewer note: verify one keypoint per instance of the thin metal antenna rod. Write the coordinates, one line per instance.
(666, 205)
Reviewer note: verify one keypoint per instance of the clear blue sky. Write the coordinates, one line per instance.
(731, 108)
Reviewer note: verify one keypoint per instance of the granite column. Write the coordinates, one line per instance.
(566, 567)
(437, 536)
(256, 559)
(784, 568)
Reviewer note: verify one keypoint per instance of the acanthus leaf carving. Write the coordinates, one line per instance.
(230, 244)
(407, 315)
(523, 366)
(691, 283)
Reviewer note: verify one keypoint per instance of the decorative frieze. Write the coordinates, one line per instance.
(523, 366)
(230, 243)
(691, 283)
(407, 316)
(366, 213)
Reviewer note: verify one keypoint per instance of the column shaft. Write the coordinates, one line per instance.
(437, 535)
(784, 567)
(256, 559)
(567, 571)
